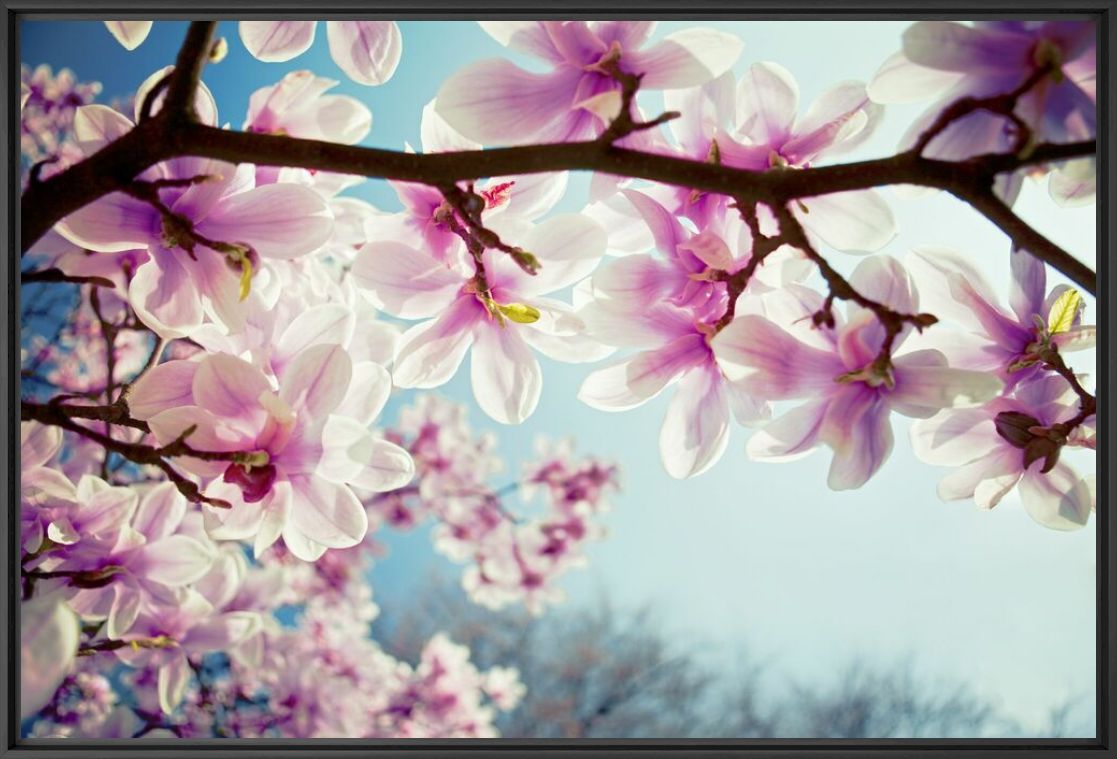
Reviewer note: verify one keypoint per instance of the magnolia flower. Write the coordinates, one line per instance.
(1011, 442)
(367, 51)
(495, 101)
(304, 440)
(498, 309)
(187, 626)
(428, 216)
(153, 549)
(850, 395)
(1007, 342)
(948, 61)
(756, 126)
(669, 308)
(298, 106)
(184, 279)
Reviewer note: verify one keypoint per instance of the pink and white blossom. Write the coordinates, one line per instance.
(849, 397)
(497, 102)
(1009, 443)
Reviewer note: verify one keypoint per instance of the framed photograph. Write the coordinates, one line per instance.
(397, 379)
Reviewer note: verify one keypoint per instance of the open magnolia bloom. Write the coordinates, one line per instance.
(754, 123)
(302, 444)
(497, 102)
(492, 306)
(849, 397)
(216, 231)
(947, 60)
(1012, 442)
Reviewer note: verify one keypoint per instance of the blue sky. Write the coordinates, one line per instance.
(756, 555)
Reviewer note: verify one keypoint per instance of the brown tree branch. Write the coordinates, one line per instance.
(1027, 237)
(57, 275)
(192, 57)
(173, 132)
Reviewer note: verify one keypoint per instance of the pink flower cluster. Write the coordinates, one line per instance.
(48, 104)
(512, 557)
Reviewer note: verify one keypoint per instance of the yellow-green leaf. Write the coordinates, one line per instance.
(1063, 312)
(521, 313)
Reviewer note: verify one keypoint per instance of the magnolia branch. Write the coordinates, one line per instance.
(840, 289)
(173, 132)
(66, 416)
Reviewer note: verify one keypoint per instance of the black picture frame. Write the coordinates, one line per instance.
(1103, 745)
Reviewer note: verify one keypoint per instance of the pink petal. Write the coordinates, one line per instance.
(111, 224)
(853, 222)
(638, 379)
(630, 34)
(695, 430)
(783, 367)
(37, 444)
(505, 374)
(525, 37)
(243, 521)
(1029, 286)
(97, 125)
(230, 388)
(858, 429)
(276, 41)
(317, 379)
(884, 279)
(838, 120)
(496, 102)
(641, 277)
(160, 511)
(430, 353)
(986, 479)
(953, 438)
(925, 385)
(276, 513)
(125, 609)
(951, 46)
(223, 632)
(48, 642)
(667, 231)
(325, 323)
(791, 436)
(130, 34)
(165, 296)
(174, 561)
(966, 297)
(368, 392)
(172, 681)
(327, 514)
(301, 546)
(684, 59)
(1059, 499)
(403, 281)
(568, 247)
(352, 456)
(210, 434)
(898, 80)
(278, 221)
(767, 101)
(368, 51)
